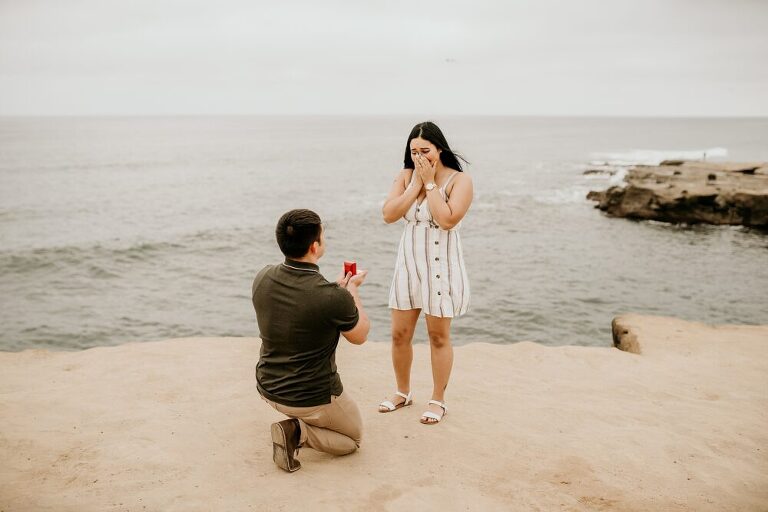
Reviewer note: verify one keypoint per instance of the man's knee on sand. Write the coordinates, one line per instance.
(336, 441)
(341, 445)
(356, 435)
(346, 450)
(355, 438)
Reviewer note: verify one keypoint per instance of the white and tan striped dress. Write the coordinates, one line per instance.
(429, 269)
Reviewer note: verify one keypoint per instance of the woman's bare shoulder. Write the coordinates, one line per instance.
(458, 177)
(404, 175)
(463, 176)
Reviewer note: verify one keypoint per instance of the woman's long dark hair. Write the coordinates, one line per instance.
(430, 132)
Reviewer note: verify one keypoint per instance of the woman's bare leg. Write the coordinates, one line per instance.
(403, 326)
(441, 352)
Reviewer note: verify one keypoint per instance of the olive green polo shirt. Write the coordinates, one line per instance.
(300, 316)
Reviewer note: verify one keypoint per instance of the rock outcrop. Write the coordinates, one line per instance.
(691, 192)
(624, 337)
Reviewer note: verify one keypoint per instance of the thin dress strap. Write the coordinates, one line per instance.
(445, 192)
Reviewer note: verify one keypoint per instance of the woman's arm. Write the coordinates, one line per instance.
(448, 214)
(401, 196)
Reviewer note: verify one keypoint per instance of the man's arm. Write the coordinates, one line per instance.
(359, 333)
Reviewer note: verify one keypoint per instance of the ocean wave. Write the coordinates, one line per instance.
(138, 251)
(654, 156)
(35, 260)
(570, 195)
(116, 165)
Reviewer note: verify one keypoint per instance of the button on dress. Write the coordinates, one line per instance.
(429, 269)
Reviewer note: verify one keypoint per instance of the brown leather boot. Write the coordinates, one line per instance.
(285, 444)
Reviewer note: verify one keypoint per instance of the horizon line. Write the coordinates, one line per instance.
(379, 115)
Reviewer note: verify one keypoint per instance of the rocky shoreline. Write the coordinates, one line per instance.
(691, 192)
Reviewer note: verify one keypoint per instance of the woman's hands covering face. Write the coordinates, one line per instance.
(425, 169)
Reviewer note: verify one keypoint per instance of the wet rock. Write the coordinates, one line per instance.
(691, 192)
(608, 170)
(624, 336)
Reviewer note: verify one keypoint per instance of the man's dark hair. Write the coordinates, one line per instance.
(296, 231)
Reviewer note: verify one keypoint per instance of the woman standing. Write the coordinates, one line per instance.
(432, 194)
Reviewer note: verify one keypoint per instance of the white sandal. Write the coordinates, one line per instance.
(429, 415)
(389, 406)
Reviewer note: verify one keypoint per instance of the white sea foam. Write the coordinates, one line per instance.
(609, 178)
(570, 195)
(654, 156)
(617, 179)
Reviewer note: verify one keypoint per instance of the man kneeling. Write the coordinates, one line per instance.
(300, 317)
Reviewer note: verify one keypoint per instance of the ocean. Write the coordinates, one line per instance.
(128, 229)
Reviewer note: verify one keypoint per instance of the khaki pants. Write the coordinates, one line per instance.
(334, 428)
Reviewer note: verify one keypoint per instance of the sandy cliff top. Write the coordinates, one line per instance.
(178, 425)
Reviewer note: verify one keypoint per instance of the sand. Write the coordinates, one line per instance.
(177, 425)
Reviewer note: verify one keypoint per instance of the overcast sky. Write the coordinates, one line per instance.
(502, 57)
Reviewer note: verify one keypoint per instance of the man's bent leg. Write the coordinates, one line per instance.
(334, 428)
(343, 431)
